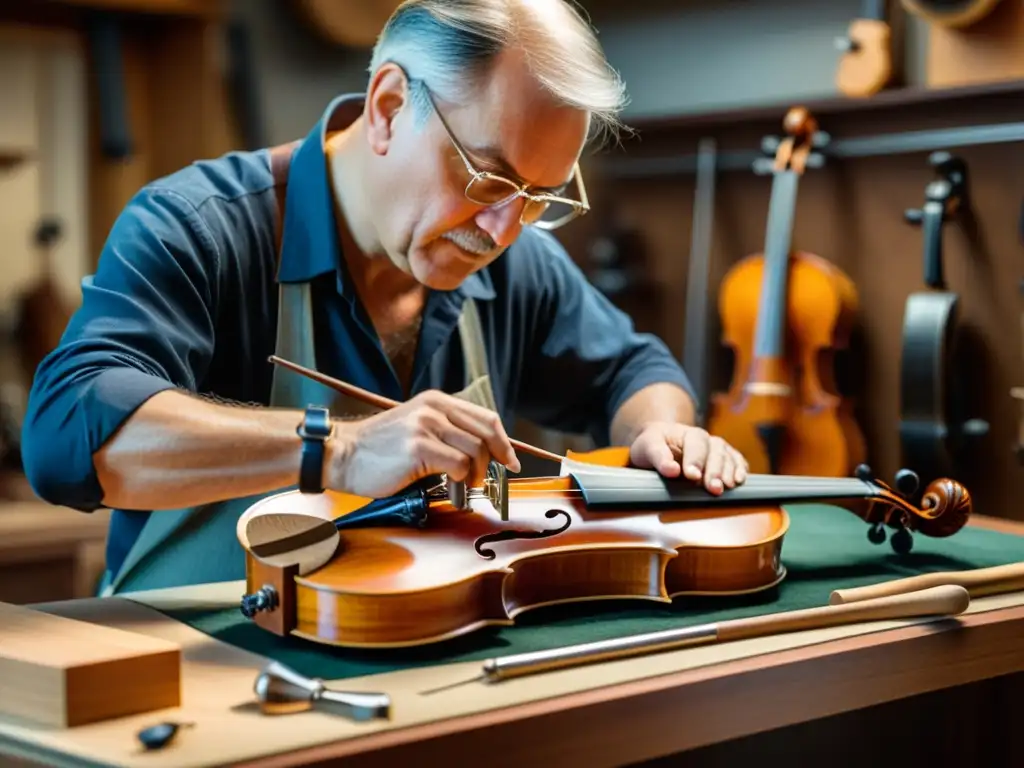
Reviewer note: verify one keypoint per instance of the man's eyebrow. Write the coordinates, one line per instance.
(493, 156)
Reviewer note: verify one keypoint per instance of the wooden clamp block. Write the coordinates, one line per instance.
(63, 672)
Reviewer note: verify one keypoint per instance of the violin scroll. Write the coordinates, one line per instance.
(944, 509)
(800, 124)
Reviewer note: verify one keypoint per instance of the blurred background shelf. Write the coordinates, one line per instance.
(907, 101)
(49, 553)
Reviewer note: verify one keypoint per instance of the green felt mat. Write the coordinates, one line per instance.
(826, 548)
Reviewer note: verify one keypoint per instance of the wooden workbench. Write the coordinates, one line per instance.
(918, 689)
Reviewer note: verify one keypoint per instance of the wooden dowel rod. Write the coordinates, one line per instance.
(948, 600)
(386, 403)
(996, 580)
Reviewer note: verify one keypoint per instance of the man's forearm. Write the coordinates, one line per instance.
(657, 402)
(177, 450)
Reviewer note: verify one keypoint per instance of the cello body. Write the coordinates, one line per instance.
(599, 531)
(784, 314)
(936, 432)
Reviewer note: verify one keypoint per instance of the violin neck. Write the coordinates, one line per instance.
(768, 340)
(616, 491)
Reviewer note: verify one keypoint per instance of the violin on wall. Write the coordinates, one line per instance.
(784, 313)
(935, 431)
(441, 560)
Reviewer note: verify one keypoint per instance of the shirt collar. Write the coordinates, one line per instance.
(309, 243)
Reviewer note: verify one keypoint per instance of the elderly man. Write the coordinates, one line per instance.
(402, 246)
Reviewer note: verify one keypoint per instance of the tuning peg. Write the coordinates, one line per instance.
(763, 166)
(948, 165)
(863, 472)
(815, 160)
(770, 145)
(846, 44)
(907, 482)
(902, 541)
(876, 534)
(974, 428)
(913, 215)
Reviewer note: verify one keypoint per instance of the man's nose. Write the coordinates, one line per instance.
(501, 222)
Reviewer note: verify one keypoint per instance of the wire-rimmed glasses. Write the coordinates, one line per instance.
(543, 210)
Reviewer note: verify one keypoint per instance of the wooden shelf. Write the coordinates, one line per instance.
(895, 100)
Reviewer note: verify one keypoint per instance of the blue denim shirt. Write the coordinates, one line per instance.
(185, 296)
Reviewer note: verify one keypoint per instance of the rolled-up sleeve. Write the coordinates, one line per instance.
(145, 325)
(585, 358)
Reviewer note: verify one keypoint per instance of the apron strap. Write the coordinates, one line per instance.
(478, 381)
(280, 164)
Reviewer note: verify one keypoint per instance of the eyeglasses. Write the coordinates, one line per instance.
(542, 210)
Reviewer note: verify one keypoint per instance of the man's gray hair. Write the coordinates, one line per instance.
(450, 45)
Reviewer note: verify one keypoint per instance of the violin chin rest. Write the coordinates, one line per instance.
(281, 540)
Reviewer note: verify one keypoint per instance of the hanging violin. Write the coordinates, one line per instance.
(786, 313)
(441, 560)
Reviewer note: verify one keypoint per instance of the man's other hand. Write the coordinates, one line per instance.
(678, 449)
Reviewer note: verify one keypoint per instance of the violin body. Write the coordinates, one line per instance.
(822, 436)
(595, 533)
(392, 586)
(784, 314)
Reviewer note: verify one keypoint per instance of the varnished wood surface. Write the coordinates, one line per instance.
(390, 587)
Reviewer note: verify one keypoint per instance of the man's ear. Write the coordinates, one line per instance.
(386, 95)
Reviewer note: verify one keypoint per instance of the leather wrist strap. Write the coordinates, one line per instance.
(314, 430)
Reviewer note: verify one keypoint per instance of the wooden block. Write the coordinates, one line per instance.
(62, 672)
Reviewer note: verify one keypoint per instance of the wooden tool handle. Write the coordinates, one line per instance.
(980, 582)
(946, 600)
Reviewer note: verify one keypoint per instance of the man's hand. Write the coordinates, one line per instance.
(430, 434)
(675, 449)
